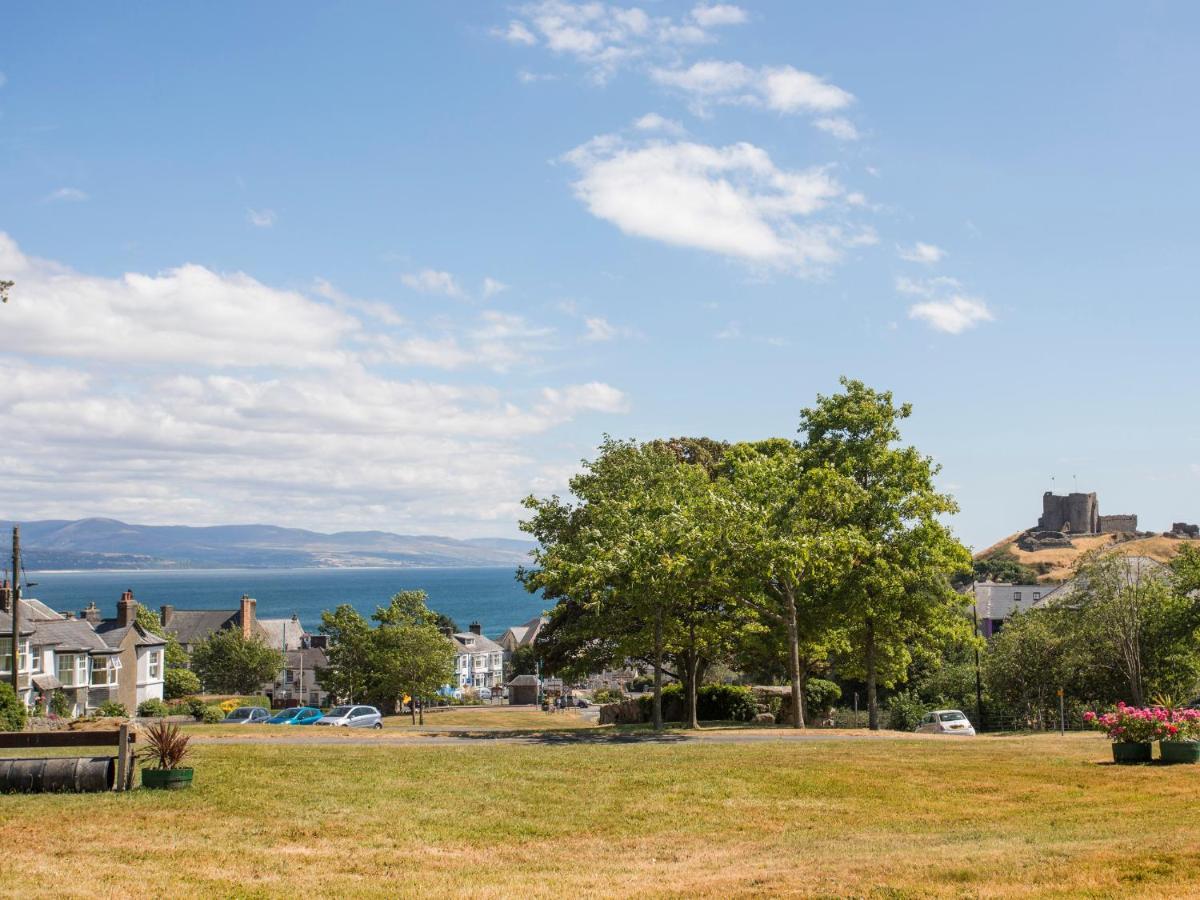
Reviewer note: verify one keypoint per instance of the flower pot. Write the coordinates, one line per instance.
(167, 779)
(1180, 751)
(1126, 753)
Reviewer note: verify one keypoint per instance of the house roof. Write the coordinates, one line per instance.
(113, 634)
(313, 658)
(526, 633)
(191, 626)
(480, 644)
(524, 681)
(284, 633)
(70, 635)
(1136, 568)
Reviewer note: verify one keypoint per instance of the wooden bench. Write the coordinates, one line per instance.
(123, 738)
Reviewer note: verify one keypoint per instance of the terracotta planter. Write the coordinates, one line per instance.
(1180, 751)
(1127, 753)
(167, 779)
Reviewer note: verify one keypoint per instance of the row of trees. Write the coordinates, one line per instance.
(689, 552)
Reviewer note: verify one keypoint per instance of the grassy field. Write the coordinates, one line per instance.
(992, 816)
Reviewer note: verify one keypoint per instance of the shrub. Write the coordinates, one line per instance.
(641, 683)
(821, 695)
(196, 707)
(112, 708)
(179, 683)
(12, 709)
(905, 711)
(724, 702)
(152, 709)
(166, 747)
(608, 695)
(59, 704)
(212, 715)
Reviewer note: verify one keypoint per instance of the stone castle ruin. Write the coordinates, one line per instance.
(1080, 514)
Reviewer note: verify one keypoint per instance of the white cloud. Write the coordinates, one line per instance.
(261, 218)
(432, 281)
(599, 329)
(946, 306)
(66, 195)
(717, 14)
(783, 89)
(492, 287)
(202, 397)
(841, 128)
(730, 332)
(655, 122)
(604, 36)
(952, 316)
(729, 200)
(927, 254)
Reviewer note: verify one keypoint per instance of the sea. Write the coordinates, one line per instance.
(491, 596)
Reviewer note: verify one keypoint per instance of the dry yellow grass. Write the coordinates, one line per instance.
(989, 817)
(1061, 560)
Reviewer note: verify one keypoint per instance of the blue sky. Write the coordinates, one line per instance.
(395, 266)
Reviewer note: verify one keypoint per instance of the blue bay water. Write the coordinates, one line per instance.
(491, 596)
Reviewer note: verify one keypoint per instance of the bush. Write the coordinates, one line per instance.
(641, 683)
(714, 702)
(212, 715)
(179, 683)
(112, 708)
(196, 707)
(152, 709)
(608, 695)
(821, 695)
(59, 704)
(12, 709)
(905, 711)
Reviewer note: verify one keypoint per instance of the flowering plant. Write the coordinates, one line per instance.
(1131, 724)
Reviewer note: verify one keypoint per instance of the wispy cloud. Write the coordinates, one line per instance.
(433, 281)
(945, 305)
(926, 254)
(492, 287)
(66, 195)
(261, 218)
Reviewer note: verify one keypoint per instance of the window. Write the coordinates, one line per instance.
(5, 654)
(72, 669)
(290, 676)
(36, 656)
(495, 660)
(154, 664)
(1036, 596)
(104, 671)
(1016, 596)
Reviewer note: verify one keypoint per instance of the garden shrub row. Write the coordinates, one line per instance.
(714, 703)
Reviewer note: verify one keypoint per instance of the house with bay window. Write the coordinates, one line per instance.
(478, 661)
(91, 659)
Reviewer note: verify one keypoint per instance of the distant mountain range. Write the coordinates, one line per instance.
(109, 544)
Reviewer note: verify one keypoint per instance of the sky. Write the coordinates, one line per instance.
(377, 265)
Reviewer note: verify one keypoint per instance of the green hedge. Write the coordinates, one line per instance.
(112, 708)
(12, 710)
(152, 709)
(714, 703)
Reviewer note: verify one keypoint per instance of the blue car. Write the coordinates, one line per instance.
(297, 715)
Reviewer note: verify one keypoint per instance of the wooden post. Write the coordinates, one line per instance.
(16, 612)
(123, 765)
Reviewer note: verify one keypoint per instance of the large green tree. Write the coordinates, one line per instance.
(785, 532)
(228, 662)
(348, 653)
(410, 653)
(898, 590)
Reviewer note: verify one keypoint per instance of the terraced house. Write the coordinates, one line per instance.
(91, 659)
(478, 661)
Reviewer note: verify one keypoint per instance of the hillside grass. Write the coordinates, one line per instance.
(991, 816)
(1056, 564)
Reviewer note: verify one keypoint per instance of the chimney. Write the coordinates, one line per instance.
(447, 631)
(92, 614)
(246, 615)
(5, 596)
(476, 628)
(126, 610)
(165, 614)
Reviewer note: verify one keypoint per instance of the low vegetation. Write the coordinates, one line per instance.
(894, 817)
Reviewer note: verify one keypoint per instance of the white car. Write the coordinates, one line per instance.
(945, 721)
(353, 717)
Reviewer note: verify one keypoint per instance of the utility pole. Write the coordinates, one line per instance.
(978, 678)
(16, 611)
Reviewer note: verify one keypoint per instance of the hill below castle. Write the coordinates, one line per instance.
(1056, 563)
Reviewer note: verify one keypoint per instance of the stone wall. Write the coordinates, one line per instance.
(1120, 522)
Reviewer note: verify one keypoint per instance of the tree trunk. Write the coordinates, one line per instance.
(422, 715)
(693, 676)
(872, 699)
(794, 660)
(412, 706)
(658, 663)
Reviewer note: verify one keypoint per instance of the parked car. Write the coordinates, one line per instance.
(248, 715)
(297, 715)
(353, 717)
(582, 702)
(945, 721)
(485, 693)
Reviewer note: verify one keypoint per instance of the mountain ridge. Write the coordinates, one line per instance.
(106, 543)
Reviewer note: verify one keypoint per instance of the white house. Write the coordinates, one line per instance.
(478, 661)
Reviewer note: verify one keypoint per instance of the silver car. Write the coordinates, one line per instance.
(945, 721)
(353, 717)
(247, 715)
